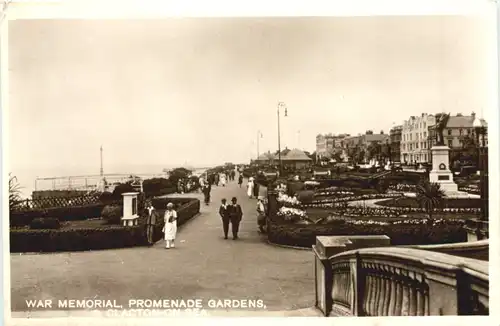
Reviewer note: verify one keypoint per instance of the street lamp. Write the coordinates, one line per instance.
(480, 132)
(281, 105)
(389, 153)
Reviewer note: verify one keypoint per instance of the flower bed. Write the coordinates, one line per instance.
(447, 203)
(345, 198)
(100, 237)
(406, 233)
(471, 189)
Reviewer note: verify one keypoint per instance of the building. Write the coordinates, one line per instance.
(395, 136)
(326, 144)
(296, 159)
(362, 143)
(415, 139)
(456, 130)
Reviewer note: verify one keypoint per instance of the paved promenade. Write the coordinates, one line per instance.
(203, 265)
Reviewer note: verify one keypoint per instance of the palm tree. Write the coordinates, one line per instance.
(14, 192)
(429, 196)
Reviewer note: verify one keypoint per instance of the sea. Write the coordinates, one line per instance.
(81, 176)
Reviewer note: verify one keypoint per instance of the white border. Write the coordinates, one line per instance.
(114, 9)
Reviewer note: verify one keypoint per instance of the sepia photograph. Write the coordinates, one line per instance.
(264, 166)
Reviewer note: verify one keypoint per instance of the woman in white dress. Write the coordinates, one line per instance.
(250, 186)
(170, 228)
(223, 179)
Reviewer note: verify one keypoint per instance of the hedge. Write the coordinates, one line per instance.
(104, 237)
(108, 237)
(301, 235)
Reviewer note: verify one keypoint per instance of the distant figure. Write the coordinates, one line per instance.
(223, 212)
(223, 179)
(261, 217)
(170, 228)
(240, 180)
(206, 193)
(256, 189)
(216, 181)
(235, 216)
(250, 186)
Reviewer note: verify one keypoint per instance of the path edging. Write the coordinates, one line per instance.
(287, 246)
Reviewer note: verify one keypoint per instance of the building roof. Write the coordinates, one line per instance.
(376, 137)
(265, 157)
(296, 155)
(462, 122)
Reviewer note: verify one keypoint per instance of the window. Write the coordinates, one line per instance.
(424, 127)
(450, 143)
(460, 132)
(416, 145)
(449, 132)
(466, 131)
(425, 134)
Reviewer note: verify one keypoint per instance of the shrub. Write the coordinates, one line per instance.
(112, 214)
(106, 197)
(45, 223)
(305, 196)
(121, 189)
(158, 187)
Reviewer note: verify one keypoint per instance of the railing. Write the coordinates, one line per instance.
(396, 281)
(476, 250)
(39, 203)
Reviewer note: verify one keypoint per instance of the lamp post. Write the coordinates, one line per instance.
(281, 105)
(480, 132)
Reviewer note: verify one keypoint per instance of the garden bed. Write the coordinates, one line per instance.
(21, 218)
(447, 203)
(304, 235)
(95, 235)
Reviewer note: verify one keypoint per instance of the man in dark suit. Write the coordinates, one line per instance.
(235, 216)
(224, 214)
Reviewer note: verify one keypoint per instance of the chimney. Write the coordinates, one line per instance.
(473, 115)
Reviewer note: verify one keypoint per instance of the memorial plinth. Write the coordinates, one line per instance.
(130, 216)
(440, 172)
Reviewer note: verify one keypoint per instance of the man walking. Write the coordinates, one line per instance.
(240, 180)
(223, 212)
(235, 216)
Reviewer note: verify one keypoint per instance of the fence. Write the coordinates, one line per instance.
(38, 203)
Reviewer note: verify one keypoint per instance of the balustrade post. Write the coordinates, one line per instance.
(360, 286)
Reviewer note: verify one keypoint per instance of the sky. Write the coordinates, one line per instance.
(196, 91)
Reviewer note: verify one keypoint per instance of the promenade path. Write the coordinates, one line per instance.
(202, 266)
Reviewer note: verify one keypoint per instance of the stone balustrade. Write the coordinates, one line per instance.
(397, 281)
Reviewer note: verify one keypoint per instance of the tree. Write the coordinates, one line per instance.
(429, 196)
(178, 174)
(469, 148)
(374, 150)
(14, 192)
